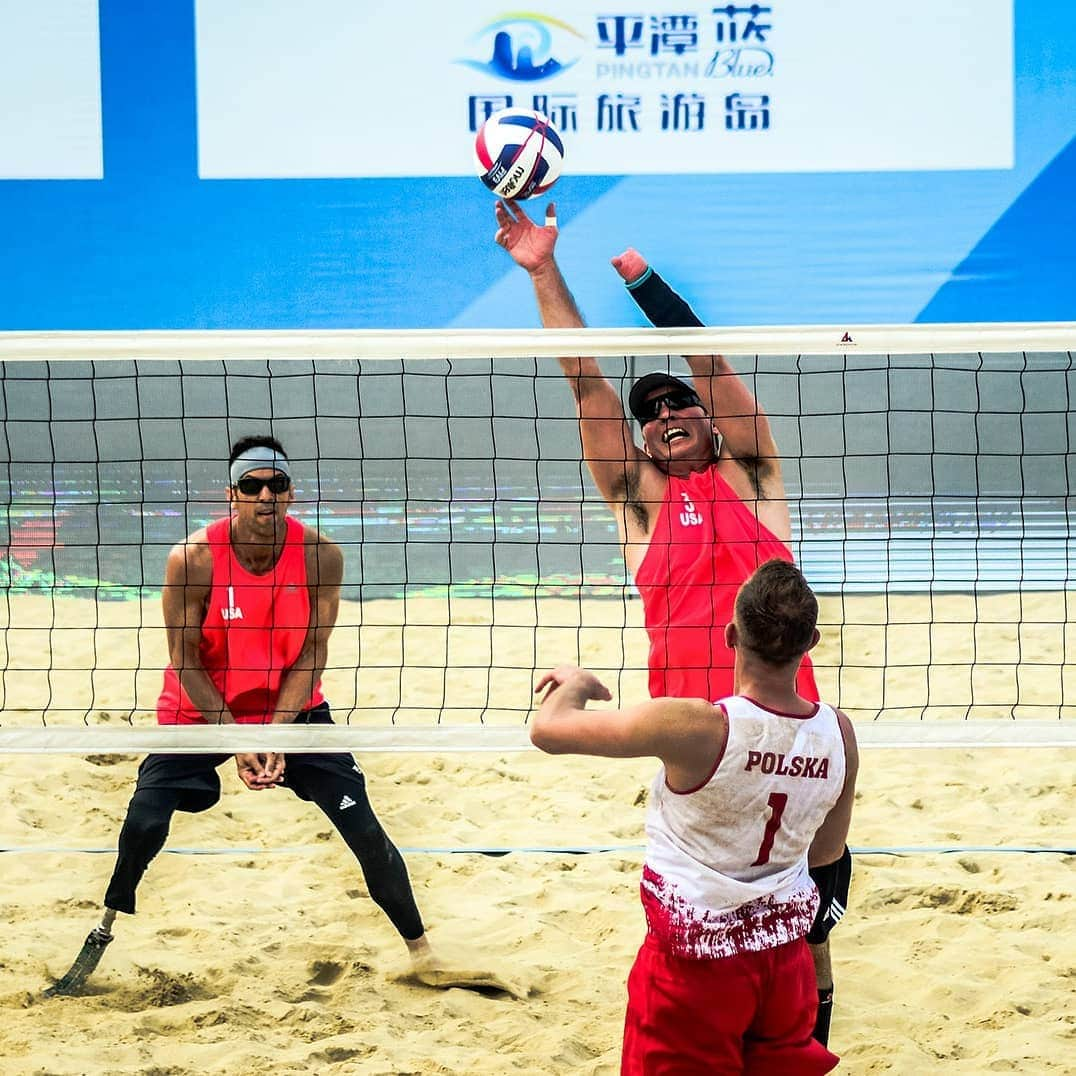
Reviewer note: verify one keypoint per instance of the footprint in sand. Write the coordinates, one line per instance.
(447, 971)
(324, 972)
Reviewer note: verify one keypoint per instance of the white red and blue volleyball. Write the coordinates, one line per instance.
(518, 153)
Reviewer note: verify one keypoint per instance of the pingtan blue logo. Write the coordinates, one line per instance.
(525, 47)
(742, 37)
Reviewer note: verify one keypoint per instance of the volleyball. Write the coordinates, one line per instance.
(518, 153)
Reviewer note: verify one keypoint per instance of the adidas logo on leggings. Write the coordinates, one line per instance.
(346, 802)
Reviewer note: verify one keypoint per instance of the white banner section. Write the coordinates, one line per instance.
(50, 90)
(344, 88)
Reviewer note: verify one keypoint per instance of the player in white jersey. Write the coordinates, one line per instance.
(753, 789)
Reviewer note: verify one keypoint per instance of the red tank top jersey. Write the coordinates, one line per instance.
(253, 631)
(705, 543)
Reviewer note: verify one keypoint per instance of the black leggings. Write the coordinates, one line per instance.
(167, 783)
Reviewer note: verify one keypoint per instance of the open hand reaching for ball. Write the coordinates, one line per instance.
(530, 245)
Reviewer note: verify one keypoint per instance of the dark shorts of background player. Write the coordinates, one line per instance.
(194, 778)
(170, 783)
(833, 881)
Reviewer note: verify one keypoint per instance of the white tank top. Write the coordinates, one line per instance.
(726, 863)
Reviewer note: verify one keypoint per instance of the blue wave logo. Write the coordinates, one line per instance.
(521, 47)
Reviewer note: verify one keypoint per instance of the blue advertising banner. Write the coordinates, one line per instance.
(286, 165)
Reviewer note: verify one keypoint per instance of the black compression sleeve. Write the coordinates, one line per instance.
(662, 306)
(825, 1015)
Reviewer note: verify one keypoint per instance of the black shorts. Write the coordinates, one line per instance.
(833, 881)
(196, 780)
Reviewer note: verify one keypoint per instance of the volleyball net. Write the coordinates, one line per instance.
(929, 472)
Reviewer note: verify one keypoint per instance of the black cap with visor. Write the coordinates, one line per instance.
(646, 384)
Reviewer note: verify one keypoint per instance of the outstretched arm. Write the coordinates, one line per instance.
(745, 430)
(746, 435)
(614, 460)
(663, 307)
(531, 247)
(684, 733)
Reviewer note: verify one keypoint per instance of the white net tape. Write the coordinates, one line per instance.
(929, 469)
(228, 739)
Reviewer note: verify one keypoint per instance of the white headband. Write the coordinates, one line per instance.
(256, 459)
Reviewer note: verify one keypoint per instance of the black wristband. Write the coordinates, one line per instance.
(662, 306)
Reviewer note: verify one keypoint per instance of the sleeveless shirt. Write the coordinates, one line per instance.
(253, 631)
(704, 544)
(726, 863)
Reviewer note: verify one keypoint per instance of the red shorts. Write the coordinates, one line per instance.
(750, 1013)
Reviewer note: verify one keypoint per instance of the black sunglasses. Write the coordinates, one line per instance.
(251, 487)
(676, 401)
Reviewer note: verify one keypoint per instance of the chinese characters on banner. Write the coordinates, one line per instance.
(822, 86)
(731, 44)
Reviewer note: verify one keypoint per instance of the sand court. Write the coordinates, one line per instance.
(256, 945)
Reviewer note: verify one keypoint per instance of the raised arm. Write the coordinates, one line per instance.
(745, 430)
(188, 577)
(531, 247)
(617, 465)
(663, 307)
(324, 575)
(620, 469)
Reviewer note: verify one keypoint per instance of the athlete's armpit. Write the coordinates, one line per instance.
(633, 502)
(758, 471)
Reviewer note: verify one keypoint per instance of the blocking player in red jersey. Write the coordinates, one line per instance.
(698, 506)
(752, 789)
(249, 604)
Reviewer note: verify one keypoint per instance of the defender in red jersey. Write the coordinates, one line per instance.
(698, 507)
(751, 789)
(249, 604)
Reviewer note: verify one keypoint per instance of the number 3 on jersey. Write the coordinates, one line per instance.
(777, 803)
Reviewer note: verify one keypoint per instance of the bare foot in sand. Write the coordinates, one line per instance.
(454, 967)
